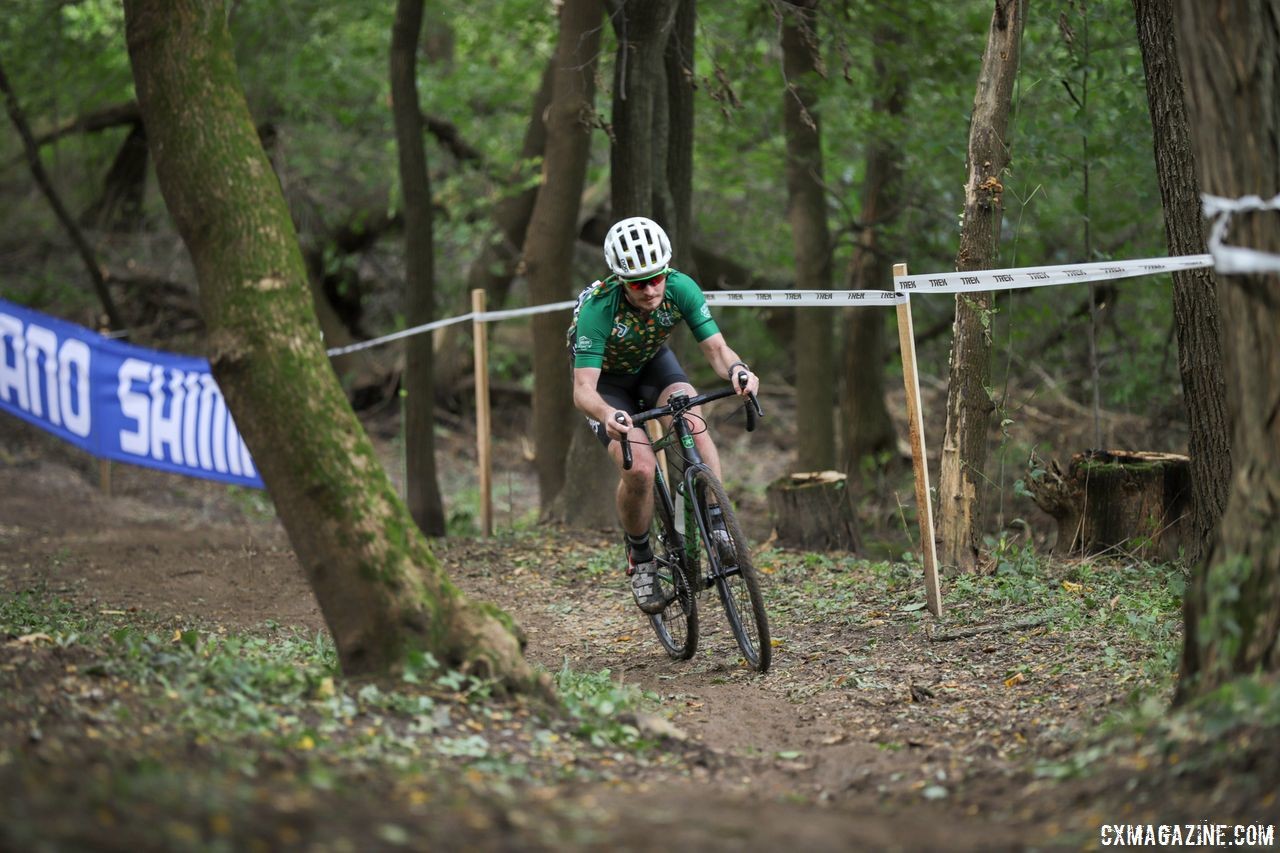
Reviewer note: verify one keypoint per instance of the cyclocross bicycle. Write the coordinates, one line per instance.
(710, 529)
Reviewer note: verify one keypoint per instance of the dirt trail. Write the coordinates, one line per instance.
(864, 733)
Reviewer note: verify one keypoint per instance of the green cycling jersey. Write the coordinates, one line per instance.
(610, 333)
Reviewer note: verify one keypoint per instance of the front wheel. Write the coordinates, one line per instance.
(730, 567)
(677, 624)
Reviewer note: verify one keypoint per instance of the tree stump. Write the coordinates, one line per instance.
(1132, 501)
(814, 511)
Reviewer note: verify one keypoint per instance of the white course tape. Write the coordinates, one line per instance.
(486, 317)
(404, 333)
(1010, 279)
(719, 297)
(805, 298)
(1235, 260)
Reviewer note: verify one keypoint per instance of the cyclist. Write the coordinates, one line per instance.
(620, 358)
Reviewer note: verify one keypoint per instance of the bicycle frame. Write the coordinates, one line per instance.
(678, 407)
(729, 570)
(695, 531)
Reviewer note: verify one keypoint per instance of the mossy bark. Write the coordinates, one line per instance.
(379, 587)
(1134, 502)
(1227, 54)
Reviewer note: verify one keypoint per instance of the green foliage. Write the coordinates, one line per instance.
(1218, 631)
(1221, 734)
(600, 705)
(317, 73)
(1140, 601)
(282, 688)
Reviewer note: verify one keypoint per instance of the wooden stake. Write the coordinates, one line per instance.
(484, 454)
(915, 420)
(104, 476)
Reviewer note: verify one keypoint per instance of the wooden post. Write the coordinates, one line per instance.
(104, 476)
(484, 446)
(915, 421)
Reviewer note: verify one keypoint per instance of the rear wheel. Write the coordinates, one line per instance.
(677, 625)
(729, 565)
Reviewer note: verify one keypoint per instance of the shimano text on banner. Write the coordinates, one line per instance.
(119, 401)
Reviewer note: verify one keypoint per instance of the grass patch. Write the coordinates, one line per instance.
(1227, 733)
(236, 695)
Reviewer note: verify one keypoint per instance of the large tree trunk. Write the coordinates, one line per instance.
(494, 268)
(553, 229)
(421, 484)
(1195, 300)
(866, 427)
(642, 158)
(1227, 52)
(382, 593)
(679, 177)
(969, 406)
(810, 237)
(638, 156)
(586, 500)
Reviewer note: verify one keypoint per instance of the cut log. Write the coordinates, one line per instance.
(814, 511)
(1126, 501)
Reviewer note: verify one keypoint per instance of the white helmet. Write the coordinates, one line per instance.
(637, 248)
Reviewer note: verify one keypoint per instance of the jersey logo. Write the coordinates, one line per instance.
(706, 312)
(664, 317)
(584, 342)
(620, 330)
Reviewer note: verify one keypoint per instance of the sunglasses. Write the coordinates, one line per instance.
(642, 283)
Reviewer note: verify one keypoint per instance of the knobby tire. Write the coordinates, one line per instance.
(677, 625)
(739, 593)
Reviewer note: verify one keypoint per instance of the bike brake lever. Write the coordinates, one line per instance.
(626, 450)
(753, 410)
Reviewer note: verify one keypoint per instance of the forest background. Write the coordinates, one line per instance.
(1081, 187)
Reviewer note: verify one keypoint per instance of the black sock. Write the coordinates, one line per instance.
(639, 547)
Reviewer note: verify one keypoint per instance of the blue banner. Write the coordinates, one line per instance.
(119, 401)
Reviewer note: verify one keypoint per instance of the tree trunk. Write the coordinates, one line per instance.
(382, 593)
(1195, 301)
(642, 158)
(1118, 501)
(678, 61)
(969, 405)
(866, 427)
(637, 158)
(1227, 53)
(422, 486)
(119, 207)
(586, 501)
(553, 229)
(494, 268)
(810, 237)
